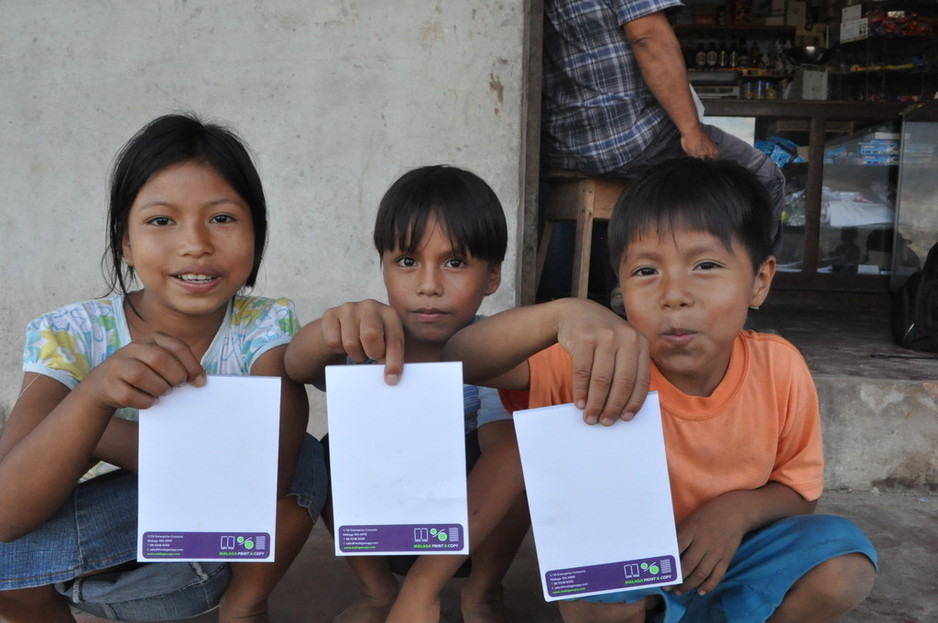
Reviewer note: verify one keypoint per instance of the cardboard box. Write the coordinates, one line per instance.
(854, 29)
(797, 10)
(851, 13)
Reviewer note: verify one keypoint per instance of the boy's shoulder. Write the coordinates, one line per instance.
(771, 343)
(770, 355)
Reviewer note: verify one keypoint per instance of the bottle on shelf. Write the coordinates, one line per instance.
(700, 56)
(713, 56)
(755, 55)
(742, 54)
(723, 56)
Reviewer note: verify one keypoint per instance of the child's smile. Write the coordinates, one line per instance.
(190, 241)
(688, 294)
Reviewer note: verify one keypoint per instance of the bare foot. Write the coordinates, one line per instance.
(364, 609)
(414, 611)
(233, 612)
(485, 608)
(486, 612)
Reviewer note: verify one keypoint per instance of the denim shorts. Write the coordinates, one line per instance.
(766, 565)
(88, 551)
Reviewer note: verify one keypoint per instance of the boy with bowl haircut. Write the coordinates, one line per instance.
(692, 242)
(441, 235)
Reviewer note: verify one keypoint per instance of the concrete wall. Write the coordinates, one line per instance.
(336, 99)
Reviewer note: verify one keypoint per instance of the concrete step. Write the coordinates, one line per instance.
(879, 402)
(902, 525)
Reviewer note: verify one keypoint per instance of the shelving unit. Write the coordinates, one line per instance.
(896, 60)
(886, 69)
(807, 262)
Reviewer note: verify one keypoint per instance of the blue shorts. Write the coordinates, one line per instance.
(766, 565)
(96, 530)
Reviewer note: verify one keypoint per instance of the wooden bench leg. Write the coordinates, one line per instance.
(583, 244)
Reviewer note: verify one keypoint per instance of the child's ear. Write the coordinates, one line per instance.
(126, 251)
(495, 278)
(763, 282)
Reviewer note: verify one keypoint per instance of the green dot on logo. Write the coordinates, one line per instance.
(644, 566)
(240, 539)
(654, 569)
(433, 531)
(442, 536)
(249, 544)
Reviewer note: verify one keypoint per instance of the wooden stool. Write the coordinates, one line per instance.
(577, 197)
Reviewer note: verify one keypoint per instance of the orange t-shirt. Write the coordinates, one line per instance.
(760, 424)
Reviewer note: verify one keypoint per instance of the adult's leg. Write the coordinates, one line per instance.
(732, 148)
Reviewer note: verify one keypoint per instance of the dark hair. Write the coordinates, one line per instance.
(716, 196)
(462, 203)
(170, 140)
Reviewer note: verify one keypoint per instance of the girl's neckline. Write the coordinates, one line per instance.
(135, 327)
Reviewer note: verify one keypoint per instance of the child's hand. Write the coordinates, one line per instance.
(611, 363)
(367, 330)
(138, 374)
(708, 540)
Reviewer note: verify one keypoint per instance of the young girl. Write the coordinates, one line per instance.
(441, 235)
(188, 221)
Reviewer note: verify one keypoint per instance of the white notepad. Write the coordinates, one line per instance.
(600, 501)
(208, 472)
(398, 460)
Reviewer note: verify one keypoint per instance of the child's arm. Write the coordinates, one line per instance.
(53, 433)
(611, 365)
(709, 537)
(363, 330)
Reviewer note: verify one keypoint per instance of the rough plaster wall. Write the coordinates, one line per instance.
(336, 99)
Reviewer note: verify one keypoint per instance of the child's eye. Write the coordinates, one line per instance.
(223, 218)
(160, 221)
(644, 271)
(406, 262)
(708, 265)
(455, 262)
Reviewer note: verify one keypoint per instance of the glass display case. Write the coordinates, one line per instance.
(841, 164)
(917, 204)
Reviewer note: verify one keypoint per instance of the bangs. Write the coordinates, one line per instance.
(718, 197)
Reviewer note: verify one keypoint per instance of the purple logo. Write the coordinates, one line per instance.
(405, 538)
(609, 576)
(205, 545)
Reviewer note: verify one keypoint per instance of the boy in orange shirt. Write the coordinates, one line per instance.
(739, 409)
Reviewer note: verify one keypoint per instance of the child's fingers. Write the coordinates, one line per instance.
(633, 377)
(138, 386)
(383, 339)
(716, 576)
(340, 331)
(183, 356)
(582, 358)
(394, 352)
(695, 569)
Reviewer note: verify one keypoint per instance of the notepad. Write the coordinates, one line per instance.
(398, 460)
(600, 501)
(208, 472)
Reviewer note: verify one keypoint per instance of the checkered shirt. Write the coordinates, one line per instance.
(598, 114)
